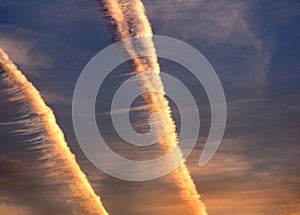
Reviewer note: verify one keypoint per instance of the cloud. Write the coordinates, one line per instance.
(23, 183)
(56, 98)
(213, 21)
(22, 48)
(12, 209)
(221, 31)
(236, 180)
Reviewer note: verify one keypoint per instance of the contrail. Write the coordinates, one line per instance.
(128, 19)
(58, 154)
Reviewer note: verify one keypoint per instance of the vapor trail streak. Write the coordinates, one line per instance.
(128, 19)
(59, 154)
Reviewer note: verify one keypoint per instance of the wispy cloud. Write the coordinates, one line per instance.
(213, 21)
(19, 44)
(13, 209)
(223, 32)
(56, 98)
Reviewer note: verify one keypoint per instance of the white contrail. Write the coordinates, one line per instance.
(58, 154)
(128, 19)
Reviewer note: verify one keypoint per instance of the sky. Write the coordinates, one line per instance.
(253, 47)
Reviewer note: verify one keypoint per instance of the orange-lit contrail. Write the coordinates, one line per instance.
(79, 188)
(128, 19)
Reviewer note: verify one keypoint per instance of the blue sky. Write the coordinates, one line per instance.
(252, 45)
